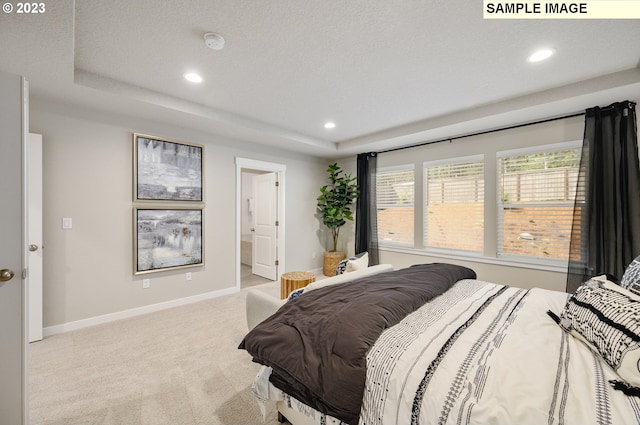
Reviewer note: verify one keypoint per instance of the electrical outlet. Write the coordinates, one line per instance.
(188, 275)
(146, 283)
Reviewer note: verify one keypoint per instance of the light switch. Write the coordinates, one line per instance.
(67, 223)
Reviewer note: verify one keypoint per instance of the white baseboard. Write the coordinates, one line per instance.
(106, 318)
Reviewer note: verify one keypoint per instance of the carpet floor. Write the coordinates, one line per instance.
(174, 367)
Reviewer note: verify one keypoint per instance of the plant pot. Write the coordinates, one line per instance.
(331, 261)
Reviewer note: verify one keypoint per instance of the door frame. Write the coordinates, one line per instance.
(279, 169)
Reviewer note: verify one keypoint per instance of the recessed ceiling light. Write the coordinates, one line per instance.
(540, 55)
(330, 125)
(193, 77)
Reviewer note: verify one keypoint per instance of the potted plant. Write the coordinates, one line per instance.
(334, 205)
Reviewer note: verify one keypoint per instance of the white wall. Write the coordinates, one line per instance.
(88, 270)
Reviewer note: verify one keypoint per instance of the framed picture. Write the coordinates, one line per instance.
(166, 239)
(166, 170)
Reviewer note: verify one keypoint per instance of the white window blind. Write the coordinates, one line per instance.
(454, 204)
(395, 204)
(537, 192)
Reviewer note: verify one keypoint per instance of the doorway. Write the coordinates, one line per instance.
(260, 222)
(256, 253)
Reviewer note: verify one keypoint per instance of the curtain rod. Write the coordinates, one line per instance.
(451, 139)
(631, 104)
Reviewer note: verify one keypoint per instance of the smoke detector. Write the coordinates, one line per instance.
(214, 41)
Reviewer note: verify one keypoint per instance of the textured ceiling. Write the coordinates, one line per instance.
(387, 73)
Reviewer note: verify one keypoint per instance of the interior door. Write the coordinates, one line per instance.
(34, 278)
(13, 295)
(265, 230)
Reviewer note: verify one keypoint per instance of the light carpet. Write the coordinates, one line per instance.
(177, 366)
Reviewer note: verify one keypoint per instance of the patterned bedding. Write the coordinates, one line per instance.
(485, 354)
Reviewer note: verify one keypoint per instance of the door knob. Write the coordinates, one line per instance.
(33, 247)
(253, 229)
(6, 275)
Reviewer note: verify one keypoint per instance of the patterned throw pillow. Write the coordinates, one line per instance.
(342, 266)
(631, 278)
(346, 266)
(295, 294)
(607, 318)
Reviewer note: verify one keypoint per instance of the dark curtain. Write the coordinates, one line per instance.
(609, 237)
(366, 213)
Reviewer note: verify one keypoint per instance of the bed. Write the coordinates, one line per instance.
(447, 348)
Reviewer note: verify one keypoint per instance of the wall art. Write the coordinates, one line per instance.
(167, 239)
(167, 170)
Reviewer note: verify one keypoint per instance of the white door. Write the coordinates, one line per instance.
(265, 230)
(34, 278)
(13, 334)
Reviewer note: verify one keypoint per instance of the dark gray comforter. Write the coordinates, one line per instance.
(317, 343)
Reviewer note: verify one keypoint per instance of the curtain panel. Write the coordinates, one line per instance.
(366, 212)
(606, 227)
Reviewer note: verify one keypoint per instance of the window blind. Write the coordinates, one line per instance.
(537, 192)
(454, 204)
(395, 205)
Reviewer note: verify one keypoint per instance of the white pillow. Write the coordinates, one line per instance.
(358, 264)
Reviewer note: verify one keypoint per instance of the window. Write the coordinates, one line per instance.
(537, 192)
(454, 204)
(509, 198)
(395, 205)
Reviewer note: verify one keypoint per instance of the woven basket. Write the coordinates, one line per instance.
(331, 261)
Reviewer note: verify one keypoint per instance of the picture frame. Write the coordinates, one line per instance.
(167, 170)
(167, 239)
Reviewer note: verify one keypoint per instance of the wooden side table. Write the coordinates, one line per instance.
(291, 281)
